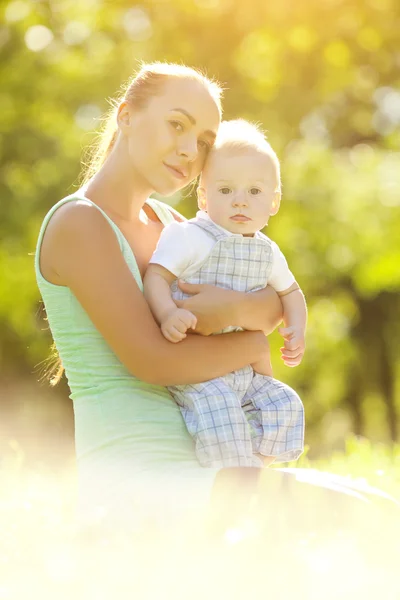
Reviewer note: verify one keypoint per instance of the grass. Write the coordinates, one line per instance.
(43, 554)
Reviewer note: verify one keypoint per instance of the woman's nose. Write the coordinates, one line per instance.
(188, 148)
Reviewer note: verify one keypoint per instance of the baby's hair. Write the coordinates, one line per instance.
(145, 84)
(239, 135)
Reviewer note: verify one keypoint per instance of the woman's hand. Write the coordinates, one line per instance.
(215, 308)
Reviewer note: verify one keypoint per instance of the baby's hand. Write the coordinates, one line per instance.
(176, 324)
(294, 346)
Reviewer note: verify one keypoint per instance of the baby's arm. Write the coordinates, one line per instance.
(294, 308)
(174, 321)
(295, 320)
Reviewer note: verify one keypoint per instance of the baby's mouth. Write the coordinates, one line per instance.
(240, 218)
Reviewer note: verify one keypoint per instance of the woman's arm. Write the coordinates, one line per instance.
(216, 308)
(87, 258)
(260, 310)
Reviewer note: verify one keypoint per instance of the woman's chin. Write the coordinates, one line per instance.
(167, 190)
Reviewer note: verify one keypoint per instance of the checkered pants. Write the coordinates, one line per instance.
(232, 418)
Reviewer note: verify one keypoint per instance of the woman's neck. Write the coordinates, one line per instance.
(114, 191)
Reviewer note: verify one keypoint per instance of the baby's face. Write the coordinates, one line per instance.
(238, 190)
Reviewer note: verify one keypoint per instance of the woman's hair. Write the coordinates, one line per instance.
(240, 135)
(147, 83)
(53, 367)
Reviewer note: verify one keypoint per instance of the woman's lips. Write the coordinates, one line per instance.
(240, 218)
(179, 174)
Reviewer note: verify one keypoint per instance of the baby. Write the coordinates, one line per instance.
(247, 417)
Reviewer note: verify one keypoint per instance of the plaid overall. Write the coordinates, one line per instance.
(232, 418)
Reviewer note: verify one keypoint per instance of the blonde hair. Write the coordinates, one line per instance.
(147, 83)
(238, 135)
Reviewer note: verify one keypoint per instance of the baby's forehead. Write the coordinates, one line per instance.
(230, 160)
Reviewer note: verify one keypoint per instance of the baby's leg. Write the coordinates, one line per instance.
(214, 416)
(254, 420)
(276, 415)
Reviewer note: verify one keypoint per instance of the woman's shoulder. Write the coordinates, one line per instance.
(78, 215)
(74, 224)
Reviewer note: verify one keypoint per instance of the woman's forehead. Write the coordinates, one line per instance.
(192, 99)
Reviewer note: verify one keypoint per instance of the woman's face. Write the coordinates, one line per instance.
(169, 139)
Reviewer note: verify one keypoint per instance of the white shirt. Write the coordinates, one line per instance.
(183, 248)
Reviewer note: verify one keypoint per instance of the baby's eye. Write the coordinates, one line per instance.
(255, 191)
(177, 126)
(225, 190)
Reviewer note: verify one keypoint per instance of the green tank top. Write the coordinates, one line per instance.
(129, 435)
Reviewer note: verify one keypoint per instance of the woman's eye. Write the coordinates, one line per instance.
(177, 126)
(255, 191)
(225, 190)
(203, 145)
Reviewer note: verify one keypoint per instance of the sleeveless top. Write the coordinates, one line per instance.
(132, 447)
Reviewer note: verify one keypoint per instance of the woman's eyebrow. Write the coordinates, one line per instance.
(193, 121)
(188, 115)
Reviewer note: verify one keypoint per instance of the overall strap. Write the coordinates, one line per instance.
(216, 232)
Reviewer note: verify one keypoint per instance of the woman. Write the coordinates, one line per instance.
(92, 253)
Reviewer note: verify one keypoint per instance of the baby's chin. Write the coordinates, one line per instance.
(249, 231)
(245, 231)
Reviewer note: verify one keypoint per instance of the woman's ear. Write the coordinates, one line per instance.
(276, 202)
(201, 198)
(123, 117)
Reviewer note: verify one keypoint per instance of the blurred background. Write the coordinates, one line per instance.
(322, 78)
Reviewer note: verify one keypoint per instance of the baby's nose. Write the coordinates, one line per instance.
(240, 198)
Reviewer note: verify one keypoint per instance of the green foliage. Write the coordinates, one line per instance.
(321, 77)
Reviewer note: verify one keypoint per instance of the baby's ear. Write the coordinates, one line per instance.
(276, 202)
(201, 198)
